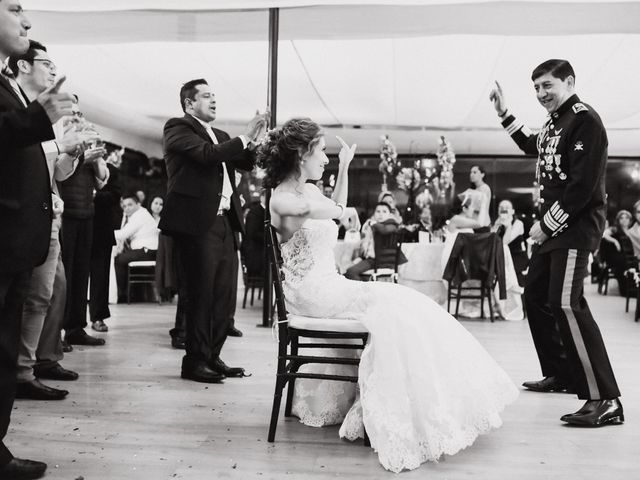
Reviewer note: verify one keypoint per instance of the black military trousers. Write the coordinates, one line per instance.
(566, 336)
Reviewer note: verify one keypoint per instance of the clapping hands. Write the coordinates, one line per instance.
(257, 126)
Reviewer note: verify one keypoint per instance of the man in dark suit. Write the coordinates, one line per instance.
(203, 214)
(25, 210)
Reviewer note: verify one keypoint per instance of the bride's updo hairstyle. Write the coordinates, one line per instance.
(283, 149)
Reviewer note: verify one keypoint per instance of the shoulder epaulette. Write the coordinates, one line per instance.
(579, 107)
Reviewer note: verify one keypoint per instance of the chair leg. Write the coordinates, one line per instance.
(490, 300)
(275, 410)
(290, 388)
(259, 293)
(367, 442)
(129, 291)
(459, 294)
(606, 284)
(244, 298)
(253, 289)
(482, 301)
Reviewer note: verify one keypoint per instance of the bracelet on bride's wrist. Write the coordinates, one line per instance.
(342, 210)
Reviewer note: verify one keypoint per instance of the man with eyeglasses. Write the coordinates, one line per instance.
(40, 349)
(25, 210)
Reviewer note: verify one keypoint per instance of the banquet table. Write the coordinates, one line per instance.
(422, 272)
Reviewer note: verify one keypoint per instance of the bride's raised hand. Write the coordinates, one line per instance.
(346, 152)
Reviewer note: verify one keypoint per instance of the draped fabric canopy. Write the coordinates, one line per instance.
(412, 69)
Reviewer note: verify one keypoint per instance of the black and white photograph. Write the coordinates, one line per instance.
(291, 239)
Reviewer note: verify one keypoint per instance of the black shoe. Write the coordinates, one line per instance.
(233, 332)
(57, 372)
(80, 337)
(34, 390)
(20, 469)
(219, 366)
(548, 384)
(179, 343)
(66, 348)
(99, 326)
(596, 413)
(199, 372)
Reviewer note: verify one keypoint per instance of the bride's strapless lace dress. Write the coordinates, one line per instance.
(426, 386)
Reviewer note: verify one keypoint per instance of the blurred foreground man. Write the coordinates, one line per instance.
(25, 210)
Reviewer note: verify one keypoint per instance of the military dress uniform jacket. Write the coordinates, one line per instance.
(571, 166)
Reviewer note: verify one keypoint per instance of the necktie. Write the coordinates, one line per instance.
(7, 72)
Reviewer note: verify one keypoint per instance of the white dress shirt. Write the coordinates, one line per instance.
(227, 188)
(141, 230)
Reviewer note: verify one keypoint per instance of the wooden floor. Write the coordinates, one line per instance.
(130, 416)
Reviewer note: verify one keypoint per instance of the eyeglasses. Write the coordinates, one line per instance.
(46, 63)
(77, 114)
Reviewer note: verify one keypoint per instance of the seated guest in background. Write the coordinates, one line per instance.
(513, 237)
(140, 235)
(156, 207)
(412, 232)
(142, 198)
(468, 218)
(382, 223)
(633, 232)
(616, 248)
(390, 199)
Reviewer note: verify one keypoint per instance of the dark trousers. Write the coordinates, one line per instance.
(208, 261)
(566, 336)
(77, 236)
(355, 271)
(121, 265)
(99, 284)
(234, 294)
(179, 331)
(13, 290)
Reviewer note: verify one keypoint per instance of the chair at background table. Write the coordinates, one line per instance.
(388, 255)
(477, 257)
(292, 328)
(251, 282)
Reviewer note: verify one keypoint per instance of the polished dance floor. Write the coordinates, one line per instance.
(130, 416)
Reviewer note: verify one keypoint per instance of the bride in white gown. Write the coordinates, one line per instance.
(426, 386)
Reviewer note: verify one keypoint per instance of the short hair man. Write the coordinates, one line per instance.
(572, 158)
(203, 213)
(25, 210)
(40, 346)
(140, 232)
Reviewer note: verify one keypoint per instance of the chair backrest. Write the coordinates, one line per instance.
(275, 262)
(387, 249)
(476, 255)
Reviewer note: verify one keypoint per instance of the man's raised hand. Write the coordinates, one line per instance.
(497, 97)
(56, 104)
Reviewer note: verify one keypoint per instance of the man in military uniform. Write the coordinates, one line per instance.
(572, 155)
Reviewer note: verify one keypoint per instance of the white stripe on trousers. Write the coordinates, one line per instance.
(594, 392)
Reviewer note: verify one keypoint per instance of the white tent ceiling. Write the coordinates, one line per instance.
(413, 69)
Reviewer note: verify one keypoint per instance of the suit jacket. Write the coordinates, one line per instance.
(195, 176)
(25, 188)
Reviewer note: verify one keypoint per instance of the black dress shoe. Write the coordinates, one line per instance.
(80, 337)
(200, 372)
(179, 343)
(596, 413)
(219, 366)
(548, 384)
(99, 326)
(57, 372)
(66, 348)
(233, 332)
(20, 469)
(34, 390)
